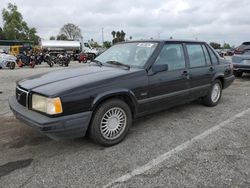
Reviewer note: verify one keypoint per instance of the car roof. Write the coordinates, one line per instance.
(167, 40)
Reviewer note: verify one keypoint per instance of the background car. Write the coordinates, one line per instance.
(241, 59)
(7, 61)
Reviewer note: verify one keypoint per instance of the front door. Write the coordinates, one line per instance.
(169, 88)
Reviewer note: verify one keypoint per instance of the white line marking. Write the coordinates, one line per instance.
(165, 156)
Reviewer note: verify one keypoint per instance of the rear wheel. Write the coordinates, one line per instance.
(111, 122)
(214, 96)
(91, 57)
(12, 65)
(238, 74)
(32, 64)
(51, 63)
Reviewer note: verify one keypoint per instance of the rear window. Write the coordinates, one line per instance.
(206, 54)
(196, 55)
(246, 43)
(213, 56)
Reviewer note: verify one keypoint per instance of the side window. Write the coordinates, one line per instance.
(196, 55)
(173, 55)
(206, 54)
(213, 56)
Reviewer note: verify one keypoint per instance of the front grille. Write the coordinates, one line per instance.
(22, 96)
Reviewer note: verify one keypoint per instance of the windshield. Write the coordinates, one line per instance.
(133, 54)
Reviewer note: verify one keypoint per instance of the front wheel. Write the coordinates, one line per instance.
(214, 95)
(12, 65)
(110, 122)
(51, 63)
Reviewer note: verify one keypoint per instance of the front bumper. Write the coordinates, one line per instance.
(241, 67)
(228, 81)
(70, 126)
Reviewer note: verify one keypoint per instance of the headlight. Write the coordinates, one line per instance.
(47, 105)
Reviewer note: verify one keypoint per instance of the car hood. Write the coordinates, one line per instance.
(55, 82)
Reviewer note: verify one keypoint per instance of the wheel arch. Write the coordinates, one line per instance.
(221, 78)
(125, 95)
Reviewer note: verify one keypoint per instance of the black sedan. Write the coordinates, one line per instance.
(129, 80)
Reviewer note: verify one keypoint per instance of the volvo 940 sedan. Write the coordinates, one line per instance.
(129, 80)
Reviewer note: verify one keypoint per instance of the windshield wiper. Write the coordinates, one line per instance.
(118, 63)
(99, 63)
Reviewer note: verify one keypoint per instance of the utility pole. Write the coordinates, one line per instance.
(102, 37)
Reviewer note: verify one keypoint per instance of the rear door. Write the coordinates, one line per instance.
(201, 69)
(170, 87)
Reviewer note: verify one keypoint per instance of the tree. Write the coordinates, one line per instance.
(107, 44)
(52, 38)
(113, 33)
(62, 37)
(215, 45)
(226, 46)
(118, 36)
(71, 31)
(2, 37)
(130, 38)
(14, 27)
(122, 35)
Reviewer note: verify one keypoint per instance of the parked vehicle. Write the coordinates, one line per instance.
(89, 50)
(127, 81)
(7, 61)
(83, 58)
(24, 59)
(47, 58)
(241, 59)
(219, 51)
(71, 47)
(230, 52)
(62, 59)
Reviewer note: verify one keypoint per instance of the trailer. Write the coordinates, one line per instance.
(74, 48)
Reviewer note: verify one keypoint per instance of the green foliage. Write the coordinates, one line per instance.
(215, 45)
(107, 44)
(2, 37)
(62, 37)
(14, 27)
(226, 46)
(118, 36)
(52, 38)
(71, 31)
(95, 45)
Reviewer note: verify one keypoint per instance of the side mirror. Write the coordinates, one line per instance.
(159, 68)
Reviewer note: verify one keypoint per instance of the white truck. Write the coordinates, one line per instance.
(71, 47)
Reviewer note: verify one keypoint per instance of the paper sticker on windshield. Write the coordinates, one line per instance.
(147, 45)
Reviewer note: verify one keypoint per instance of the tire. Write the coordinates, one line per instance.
(212, 100)
(51, 63)
(238, 74)
(12, 65)
(91, 57)
(108, 110)
(32, 65)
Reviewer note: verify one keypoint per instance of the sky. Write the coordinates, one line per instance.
(219, 21)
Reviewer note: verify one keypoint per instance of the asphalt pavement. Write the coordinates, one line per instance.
(187, 146)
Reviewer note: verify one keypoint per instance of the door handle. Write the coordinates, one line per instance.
(185, 73)
(211, 69)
